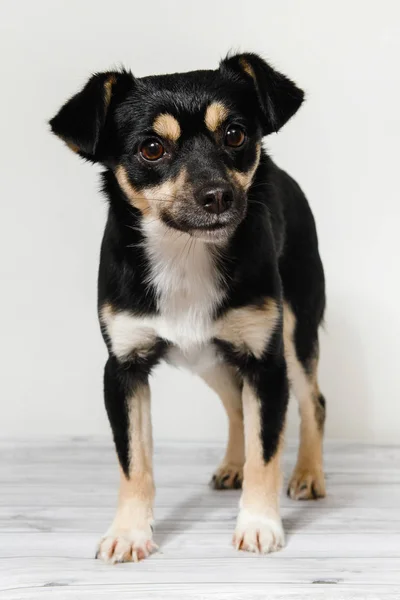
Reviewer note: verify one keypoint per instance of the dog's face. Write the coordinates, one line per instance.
(184, 148)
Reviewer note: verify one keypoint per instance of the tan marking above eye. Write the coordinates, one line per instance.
(166, 126)
(216, 114)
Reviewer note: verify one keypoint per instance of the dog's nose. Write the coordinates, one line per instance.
(216, 199)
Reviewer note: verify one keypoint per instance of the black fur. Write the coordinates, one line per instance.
(120, 382)
(272, 251)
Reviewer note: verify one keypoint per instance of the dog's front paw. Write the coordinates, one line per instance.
(258, 533)
(119, 546)
(307, 484)
(227, 477)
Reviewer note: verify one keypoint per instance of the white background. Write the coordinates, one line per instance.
(343, 148)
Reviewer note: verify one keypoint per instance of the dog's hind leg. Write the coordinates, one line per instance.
(223, 380)
(308, 481)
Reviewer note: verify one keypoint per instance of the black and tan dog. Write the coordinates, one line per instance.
(209, 261)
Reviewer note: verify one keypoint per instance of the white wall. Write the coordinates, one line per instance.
(343, 147)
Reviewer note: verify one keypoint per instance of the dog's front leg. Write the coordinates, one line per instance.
(265, 397)
(127, 399)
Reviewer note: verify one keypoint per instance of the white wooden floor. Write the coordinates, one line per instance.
(57, 499)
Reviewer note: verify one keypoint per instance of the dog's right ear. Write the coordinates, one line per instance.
(80, 122)
(278, 97)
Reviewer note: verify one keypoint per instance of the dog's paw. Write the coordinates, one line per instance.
(307, 484)
(258, 533)
(227, 477)
(126, 546)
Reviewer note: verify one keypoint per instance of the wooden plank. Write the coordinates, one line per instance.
(162, 568)
(213, 591)
(197, 545)
(57, 498)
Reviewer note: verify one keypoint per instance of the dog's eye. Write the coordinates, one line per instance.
(152, 149)
(235, 136)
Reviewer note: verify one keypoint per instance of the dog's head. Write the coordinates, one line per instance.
(184, 148)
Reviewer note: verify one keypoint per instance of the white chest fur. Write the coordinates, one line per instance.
(187, 285)
(188, 289)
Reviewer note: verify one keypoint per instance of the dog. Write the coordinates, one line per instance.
(209, 261)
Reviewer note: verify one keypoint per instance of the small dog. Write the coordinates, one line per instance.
(209, 261)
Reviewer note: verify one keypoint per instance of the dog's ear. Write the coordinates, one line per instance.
(80, 122)
(278, 97)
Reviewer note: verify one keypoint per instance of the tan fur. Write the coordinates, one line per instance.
(130, 535)
(138, 490)
(136, 198)
(259, 526)
(225, 383)
(245, 179)
(135, 501)
(140, 433)
(163, 196)
(167, 127)
(308, 473)
(108, 90)
(106, 313)
(128, 333)
(72, 146)
(262, 481)
(250, 327)
(216, 114)
(153, 200)
(247, 68)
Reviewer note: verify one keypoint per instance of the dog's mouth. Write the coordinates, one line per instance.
(213, 233)
(209, 227)
(219, 228)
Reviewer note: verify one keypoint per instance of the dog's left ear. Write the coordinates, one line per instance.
(278, 97)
